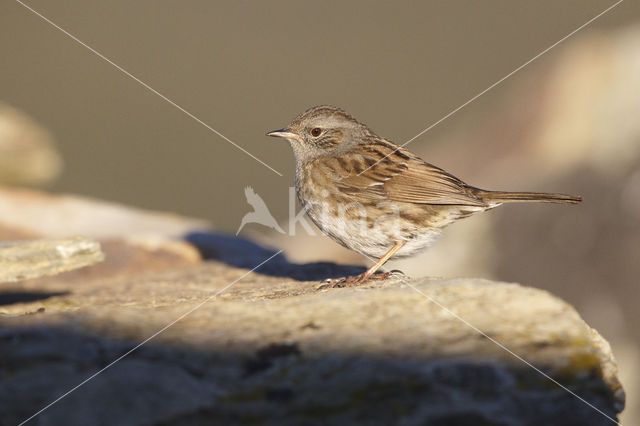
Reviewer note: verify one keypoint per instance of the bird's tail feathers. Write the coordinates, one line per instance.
(524, 197)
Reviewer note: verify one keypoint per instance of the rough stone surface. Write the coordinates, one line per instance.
(223, 345)
(268, 350)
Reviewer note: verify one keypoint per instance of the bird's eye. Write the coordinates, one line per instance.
(316, 131)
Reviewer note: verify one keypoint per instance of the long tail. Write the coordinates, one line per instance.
(528, 197)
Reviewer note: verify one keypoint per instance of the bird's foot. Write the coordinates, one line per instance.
(355, 281)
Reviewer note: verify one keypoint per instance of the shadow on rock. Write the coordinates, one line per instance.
(243, 253)
(11, 297)
(272, 385)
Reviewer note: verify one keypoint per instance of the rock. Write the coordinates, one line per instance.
(27, 153)
(66, 215)
(31, 259)
(271, 350)
(133, 240)
(174, 328)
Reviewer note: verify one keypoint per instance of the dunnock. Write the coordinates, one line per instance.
(375, 197)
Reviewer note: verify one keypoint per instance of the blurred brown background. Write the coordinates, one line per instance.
(568, 122)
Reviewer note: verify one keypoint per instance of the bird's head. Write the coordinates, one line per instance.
(321, 131)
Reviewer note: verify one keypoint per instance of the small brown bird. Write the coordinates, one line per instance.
(375, 197)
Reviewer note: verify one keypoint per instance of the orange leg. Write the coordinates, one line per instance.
(369, 272)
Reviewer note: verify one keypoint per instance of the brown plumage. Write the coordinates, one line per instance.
(375, 197)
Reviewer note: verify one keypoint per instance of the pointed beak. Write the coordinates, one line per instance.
(285, 133)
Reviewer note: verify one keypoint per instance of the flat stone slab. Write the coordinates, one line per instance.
(271, 350)
(21, 260)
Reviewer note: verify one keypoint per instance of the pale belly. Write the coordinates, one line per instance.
(374, 236)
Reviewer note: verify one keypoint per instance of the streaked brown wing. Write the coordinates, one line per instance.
(402, 176)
